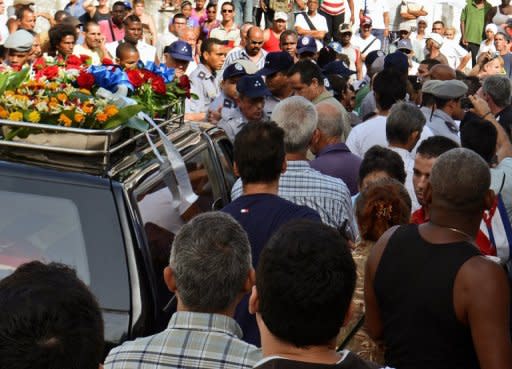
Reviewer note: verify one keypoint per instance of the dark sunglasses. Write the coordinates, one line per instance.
(227, 11)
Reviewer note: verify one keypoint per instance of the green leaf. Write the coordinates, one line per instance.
(15, 79)
(3, 82)
(122, 117)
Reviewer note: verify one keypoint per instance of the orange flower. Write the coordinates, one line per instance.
(79, 118)
(88, 108)
(62, 97)
(111, 110)
(102, 117)
(65, 120)
(9, 93)
(3, 113)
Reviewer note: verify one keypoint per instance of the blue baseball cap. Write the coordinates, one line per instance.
(127, 5)
(252, 86)
(179, 50)
(336, 46)
(306, 44)
(397, 61)
(338, 67)
(276, 62)
(234, 70)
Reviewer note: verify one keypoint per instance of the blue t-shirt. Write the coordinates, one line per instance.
(261, 215)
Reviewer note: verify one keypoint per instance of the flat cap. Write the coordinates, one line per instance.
(428, 85)
(20, 40)
(452, 89)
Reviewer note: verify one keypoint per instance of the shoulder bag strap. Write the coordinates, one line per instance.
(308, 21)
(368, 46)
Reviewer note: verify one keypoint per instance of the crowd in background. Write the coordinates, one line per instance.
(374, 156)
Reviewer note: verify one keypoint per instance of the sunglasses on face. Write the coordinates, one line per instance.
(227, 10)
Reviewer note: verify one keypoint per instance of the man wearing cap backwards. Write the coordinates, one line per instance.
(318, 21)
(203, 79)
(433, 46)
(275, 69)
(18, 46)
(271, 35)
(364, 40)
(94, 44)
(227, 29)
(225, 105)
(447, 95)
(251, 101)
(178, 55)
(354, 54)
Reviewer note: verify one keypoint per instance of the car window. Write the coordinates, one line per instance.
(70, 219)
(159, 213)
(39, 227)
(224, 149)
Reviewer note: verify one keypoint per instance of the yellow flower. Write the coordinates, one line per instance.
(16, 116)
(79, 118)
(111, 110)
(34, 117)
(62, 97)
(65, 120)
(53, 86)
(102, 117)
(3, 113)
(9, 93)
(85, 91)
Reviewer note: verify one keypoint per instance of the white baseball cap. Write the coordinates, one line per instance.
(281, 15)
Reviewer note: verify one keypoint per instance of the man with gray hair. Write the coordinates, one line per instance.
(496, 91)
(404, 126)
(300, 183)
(406, 300)
(209, 271)
(333, 157)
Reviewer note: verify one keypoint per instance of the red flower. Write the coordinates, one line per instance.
(73, 62)
(184, 84)
(147, 75)
(50, 72)
(107, 61)
(39, 63)
(158, 85)
(135, 77)
(85, 80)
(85, 59)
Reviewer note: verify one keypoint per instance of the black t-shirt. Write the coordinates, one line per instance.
(350, 361)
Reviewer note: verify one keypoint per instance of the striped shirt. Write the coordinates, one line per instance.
(327, 195)
(333, 7)
(241, 53)
(191, 340)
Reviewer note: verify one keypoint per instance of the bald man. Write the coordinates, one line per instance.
(406, 301)
(252, 51)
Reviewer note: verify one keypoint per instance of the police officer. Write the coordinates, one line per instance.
(178, 55)
(306, 48)
(251, 100)
(18, 46)
(225, 104)
(203, 79)
(447, 96)
(275, 69)
(339, 68)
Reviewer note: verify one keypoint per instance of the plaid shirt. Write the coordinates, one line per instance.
(304, 185)
(191, 340)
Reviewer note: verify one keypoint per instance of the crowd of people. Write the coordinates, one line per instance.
(373, 208)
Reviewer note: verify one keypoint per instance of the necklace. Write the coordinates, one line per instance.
(456, 230)
(459, 231)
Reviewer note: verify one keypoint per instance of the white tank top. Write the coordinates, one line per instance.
(500, 18)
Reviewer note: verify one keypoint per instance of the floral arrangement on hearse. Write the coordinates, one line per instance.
(72, 93)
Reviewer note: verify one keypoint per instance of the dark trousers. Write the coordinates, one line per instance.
(473, 48)
(333, 24)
